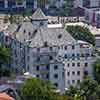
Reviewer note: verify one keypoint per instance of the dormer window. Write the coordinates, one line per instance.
(59, 36)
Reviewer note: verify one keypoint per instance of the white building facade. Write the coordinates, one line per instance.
(53, 54)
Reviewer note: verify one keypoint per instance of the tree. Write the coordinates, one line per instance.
(37, 89)
(88, 89)
(5, 58)
(4, 55)
(81, 33)
(96, 70)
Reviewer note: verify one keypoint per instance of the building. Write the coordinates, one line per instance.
(53, 54)
(17, 52)
(88, 3)
(20, 5)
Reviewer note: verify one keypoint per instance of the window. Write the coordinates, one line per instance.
(50, 48)
(68, 81)
(78, 73)
(24, 31)
(55, 67)
(45, 44)
(73, 47)
(73, 81)
(50, 58)
(73, 73)
(73, 56)
(68, 64)
(56, 76)
(86, 64)
(38, 49)
(65, 47)
(48, 67)
(29, 33)
(56, 84)
(68, 73)
(59, 36)
(28, 67)
(78, 64)
(85, 72)
(38, 58)
(78, 81)
(6, 38)
(37, 76)
(47, 76)
(78, 56)
(73, 64)
(65, 56)
(28, 58)
(37, 68)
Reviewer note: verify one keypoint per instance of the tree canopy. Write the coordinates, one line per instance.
(88, 89)
(5, 59)
(81, 33)
(37, 89)
(96, 70)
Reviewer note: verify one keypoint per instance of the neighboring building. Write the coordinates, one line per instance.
(17, 52)
(88, 3)
(53, 54)
(20, 5)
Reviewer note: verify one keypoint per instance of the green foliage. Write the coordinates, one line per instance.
(88, 89)
(6, 19)
(81, 33)
(96, 70)
(15, 19)
(38, 90)
(5, 58)
(4, 71)
(4, 55)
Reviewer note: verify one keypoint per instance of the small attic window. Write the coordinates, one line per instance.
(59, 36)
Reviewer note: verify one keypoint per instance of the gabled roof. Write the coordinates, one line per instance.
(38, 15)
(53, 36)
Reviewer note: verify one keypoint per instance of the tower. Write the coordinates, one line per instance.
(39, 19)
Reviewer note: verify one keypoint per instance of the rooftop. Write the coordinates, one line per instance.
(38, 15)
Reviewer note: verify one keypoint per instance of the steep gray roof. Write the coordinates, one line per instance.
(38, 15)
(53, 36)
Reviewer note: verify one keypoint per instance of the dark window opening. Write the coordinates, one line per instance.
(50, 58)
(55, 67)
(55, 75)
(45, 44)
(73, 73)
(59, 36)
(78, 73)
(56, 84)
(37, 68)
